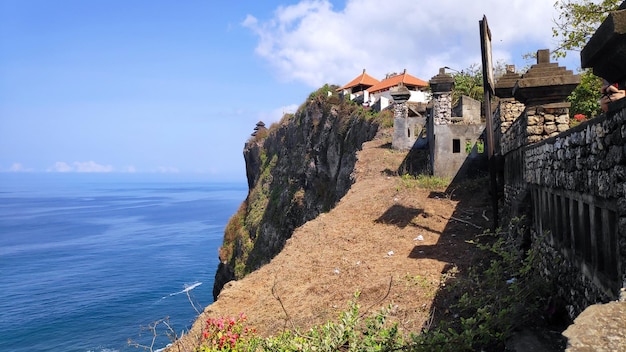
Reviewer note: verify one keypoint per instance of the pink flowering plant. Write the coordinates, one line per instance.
(226, 334)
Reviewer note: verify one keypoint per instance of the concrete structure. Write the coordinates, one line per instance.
(456, 142)
(409, 122)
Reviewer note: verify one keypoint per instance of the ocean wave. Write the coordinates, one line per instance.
(185, 290)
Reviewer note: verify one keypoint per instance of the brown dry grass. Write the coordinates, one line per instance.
(367, 243)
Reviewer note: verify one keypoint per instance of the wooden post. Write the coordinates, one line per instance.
(489, 86)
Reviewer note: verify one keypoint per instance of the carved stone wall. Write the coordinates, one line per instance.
(574, 184)
(442, 108)
(570, 182)
(578, 181)
(510, 110)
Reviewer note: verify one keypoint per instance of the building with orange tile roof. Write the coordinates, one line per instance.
(367, 90)
(357, 88)
(411, 82)
(380, 97)
(360, 83)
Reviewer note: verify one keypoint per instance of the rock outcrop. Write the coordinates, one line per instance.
(300, 169)
(600, 327)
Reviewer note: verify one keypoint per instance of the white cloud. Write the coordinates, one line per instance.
(167, 170)
(314, 43)
(130, 169)
(80, 166)
(60, 166)
(18, 167)
(90, 166)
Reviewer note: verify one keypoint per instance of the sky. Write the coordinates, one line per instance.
(176, 87)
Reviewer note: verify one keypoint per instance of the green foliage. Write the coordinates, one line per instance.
(385, 119)
(260, 195)
(468, 147)
(468, 82)
(480, 146)
(349, 333)
(323, 93)
(585, 98)
(577, 21)
(234, 229)
(500, 294)
(425, 182)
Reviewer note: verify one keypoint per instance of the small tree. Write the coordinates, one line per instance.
(577, 21)
(585, 98)
(468, 82)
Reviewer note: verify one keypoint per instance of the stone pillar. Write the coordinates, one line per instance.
(441, 113)
(401, 140)
(259, 129)
(543, 89)
(441, 87)
(510, 109)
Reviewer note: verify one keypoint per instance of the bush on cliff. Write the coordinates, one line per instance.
(299, 168)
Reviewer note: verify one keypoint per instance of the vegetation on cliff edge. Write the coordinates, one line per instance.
(502, 292)
(278, 194)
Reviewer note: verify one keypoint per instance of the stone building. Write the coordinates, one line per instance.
(454, 133)
(409, 123)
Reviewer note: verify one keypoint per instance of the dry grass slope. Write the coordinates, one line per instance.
(386, 239)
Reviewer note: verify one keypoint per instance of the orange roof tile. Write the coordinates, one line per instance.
(393, 81)
(362, 79)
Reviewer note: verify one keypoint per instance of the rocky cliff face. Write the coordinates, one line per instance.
(300, 169)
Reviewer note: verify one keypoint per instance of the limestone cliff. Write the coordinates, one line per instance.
(296, 170)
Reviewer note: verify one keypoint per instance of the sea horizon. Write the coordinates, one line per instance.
(87, 261)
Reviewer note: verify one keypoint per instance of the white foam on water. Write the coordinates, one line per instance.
(185, 290)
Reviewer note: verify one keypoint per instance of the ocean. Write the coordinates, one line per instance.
(89, 261)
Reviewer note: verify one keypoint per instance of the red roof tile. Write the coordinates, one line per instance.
(362, 79)
(393, 81)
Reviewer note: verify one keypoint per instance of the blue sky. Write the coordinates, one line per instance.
(151, 86)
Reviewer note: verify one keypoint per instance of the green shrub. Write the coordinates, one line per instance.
(425, 182)
(502, 293)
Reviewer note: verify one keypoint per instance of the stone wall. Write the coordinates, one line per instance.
(442, 108)
(577, 182)
(509, 111)
(572, 186)
(569, 182)
(546, 121)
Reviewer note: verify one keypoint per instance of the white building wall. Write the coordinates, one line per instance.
(386, 99)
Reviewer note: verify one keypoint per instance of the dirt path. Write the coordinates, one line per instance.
(389, 241)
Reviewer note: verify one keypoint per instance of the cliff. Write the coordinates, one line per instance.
(390, 238)
(296, 170)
